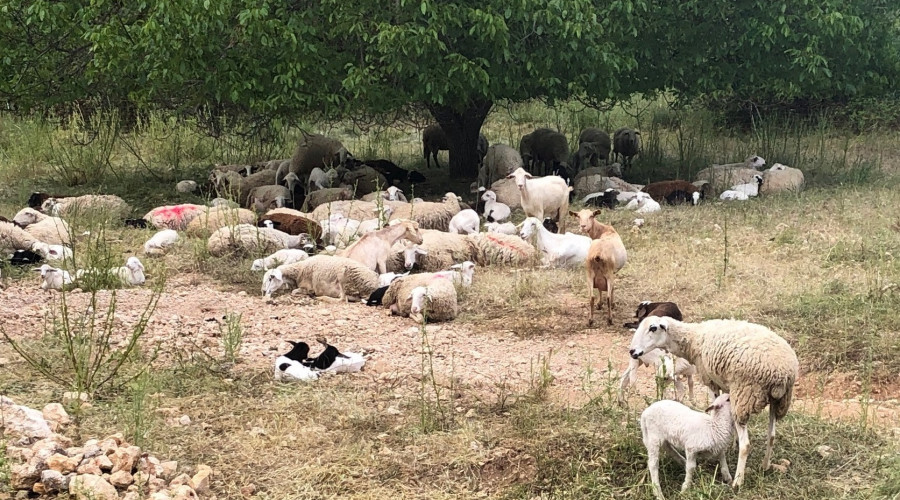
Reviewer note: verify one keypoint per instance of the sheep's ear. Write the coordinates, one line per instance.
(712, 407)
(421, 251)
(456, 266)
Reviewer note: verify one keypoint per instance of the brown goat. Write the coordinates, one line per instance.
(294, 225)
(674, 192)
(606, 255)
(589, 225)
(647, 308)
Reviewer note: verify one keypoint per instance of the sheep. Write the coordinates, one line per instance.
(37, 199)
(398, 296)
(606, 256)
(386, 279)
(429, 215)
(313, 150)
(627, 144)
(543, 195)
(338, 230)
(781, 178)
(435, 302)
(186, 186)
(494, 211)
(214, 218)
(159, 243)
(731, 195)
(289, 366)
(526, 146)
(584, 185)
(753, 363)
(222, 202)
(751, 188)
(721, 177)
(465, 222)
(244, 239)
(461, 274)
(502, 249)
(317, 198)
(351, 209)
(559, 250)
(294, 224)
(672, 425)
(647, 308)
(132, 273)
(325, 275)
(53, 252)
(440, 250)
(500, 161)
(53, 278)
(674, 192)
(279, 258)
(502, 228)
(393, 173)
(103, 204)
(642, 203)
(333, 360)
(593, 145)
(392, 193)
(434, 139)
(264, 198)
(373, 249)
(377, 296)
(174, 216)
(551, 151)
(608, 199)
(51, 230)
(13, 237)
(317, 180)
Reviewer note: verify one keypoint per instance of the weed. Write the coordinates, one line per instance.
(232, 334)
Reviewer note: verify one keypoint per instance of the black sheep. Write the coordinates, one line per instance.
(376, 297)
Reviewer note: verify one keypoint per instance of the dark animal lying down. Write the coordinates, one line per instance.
(25, 258)
(300, 352)
(647, 308)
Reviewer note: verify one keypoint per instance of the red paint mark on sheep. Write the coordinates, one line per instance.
(504, 244)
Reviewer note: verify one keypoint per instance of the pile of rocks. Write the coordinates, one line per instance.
(45, 462)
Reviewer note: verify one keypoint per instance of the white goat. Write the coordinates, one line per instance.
(465, 222)
(542, 196)
(560, 250)
(411, 252)
(53, 278)
(494, 211)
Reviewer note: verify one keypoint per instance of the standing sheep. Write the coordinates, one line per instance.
(313, 150)
(627, 144)
(500, 161)
(753, 363)
(551, 151)
(593, 145)
(543, 196)
(526, 146)
(434, 139)
(606, 256)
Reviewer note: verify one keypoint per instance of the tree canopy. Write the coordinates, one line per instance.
(293, 58)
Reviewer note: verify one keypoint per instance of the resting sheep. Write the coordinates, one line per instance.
(501, 249)
(608, 199)
(751, 188)
(543, 196)
(429, 215)
(294, 224)
(217, 217)
(13, 237)
(434, 302)
(465, 222)
(502, 228)
(674, 192)
(559, 250)
(53, 278)
(393, 193)
(398, 296)
(175, 217)
(494, 211)
(781, 178)
(321, 197)
(50, 230)
(642, 203)
(246, 239)
(105, 205)
(313, 150)
(159, 243)
(328, 276)
(721, 177)
(441, 250)
(753, 363)
(279, 258)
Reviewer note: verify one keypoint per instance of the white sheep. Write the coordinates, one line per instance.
(494, 211)
(465, 222)
(753, 363)
(279, 258)
(339, 230)
(750, 188)
(14, 238)
(324, 275)
(269, 196)
(673, 425)
(642, 203)
(53, 278)
(436, 302)
(386, 279)
(429, 215)
(105, 204)
(318, 180)
(502, 228)
(289, 370)
(132, 273)
(462, 274)
(174, 216)
(411, 252)
(781, 178)
(543, 195)
(668, 368)
(440, 251)
(500, 249)
(159, 243)
(51, 230)
(53, 252)
(247, 239)
(559, 250)
(393, 193)
(398, 296)
(732, 195)
(186, 186)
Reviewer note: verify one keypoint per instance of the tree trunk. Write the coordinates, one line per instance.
(462, 131)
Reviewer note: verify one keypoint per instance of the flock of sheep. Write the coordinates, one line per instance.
(333, 226)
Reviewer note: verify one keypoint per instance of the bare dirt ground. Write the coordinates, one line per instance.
(486, 356)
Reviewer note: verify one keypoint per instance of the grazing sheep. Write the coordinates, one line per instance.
(51, 230)
(374, 249)
(106, 205)
(53, 278)
(393, 193)
(593, 145)
(159, 243)
(721, 177)
(730, 195)
(606, 256)
(435, 302)
(294, 224)
(501, 249)
(246, 239)
(186, 186)
(673, 425)
(543, 195)
(328, 276)
(434, 139)
(279, 258)
(500, 161)
(465, 222)
(627, 144)
(781, 178)
(440, 250)
(502, 228)
(321, 197)
(313, 150)
(559, 250)
(214, 218)
(674, 192)
(608, 199)
(429, 215)
(175, 217)
(642, 203)
(494, 211)
(753, 363)
(750, 188)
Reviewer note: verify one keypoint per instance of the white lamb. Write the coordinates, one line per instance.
(53, 278)
(642, 203)
(673, 425)
(494, 211)
(386, 279)
(465, 222)
(52, 252)
(461, 274)
(281, 257)
(751, 188)
(318, 180)
(132, 273)
(502, 228)
(159, 243)
(289, 370)
(668, 368)
(339, 230)
(731, 195)
(543, 196)
(560, 250)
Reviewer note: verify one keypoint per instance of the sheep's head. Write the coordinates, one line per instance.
(521, 176)
(529, 227)
(393, 193)
(27, 216)
(466, 271)
(722, 402)
(451, 196)
(273, 280)
(258, 265)
(755, 161)
(290, 180)
(419, 295)
(489, 196)
(134, 265)
(411, 252)
(695, 197)
(299, 351)
(652, 333)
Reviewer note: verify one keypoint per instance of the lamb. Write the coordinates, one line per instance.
(53, 278)
(104, 204)
(502, 228)
(50, 230)
(465, 222)
(53, 252)
(500, 161)
(186, 186)
(267, 197)
(559, 250)
(279, 258)
(647, 308)
(325, 275)
(159, 243)
(501, 249)
(131, 274)
(543, 195)
(673, 425)
(721, 177)
(327, 195)
(244, 239)
(373, 249)
(753, 363)
(781, 178)
(435, 302)
(318, 180)
(339, 230)
(494, 211)
(393, 193)
(289, 366)
(429, 215)
(294, 225)
(674, 192)
(642, 203)
(439, 250)
(627, 144)
(387, 278)
(214, 218)
(332, 360)
(606, 256)
(731, 195)
(750, 188)
(175, 217)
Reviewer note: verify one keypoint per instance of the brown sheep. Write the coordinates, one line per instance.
(674, 192)
(294, 225)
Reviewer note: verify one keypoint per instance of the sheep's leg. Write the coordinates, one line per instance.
(609, 301)
(723, 468)
(690, 382)
(628, 378)
(679, 388)
(653, 466)
(674, 453)
(690, 464)
(767, 461)
(743, 453)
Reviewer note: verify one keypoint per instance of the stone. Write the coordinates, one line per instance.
(824, 450)
(184, 492)
(104, 462)
(160, 495)
(179, 480)
(91, 487)
(89, 466)
(200, 481)
(54, 481)
(62, 463)
(71, 397)
(249, 490)
(184, 420)
(19, 453)
(118, 437)
(156, 484)
(23, 476)
(39, 488)
(108, 446)
(125, 458)
(56, 416)
(121, 479)
(21, 421)
(132, 495)
(167, 469)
